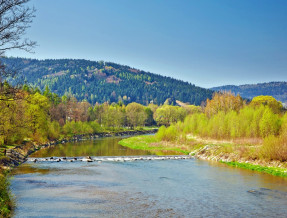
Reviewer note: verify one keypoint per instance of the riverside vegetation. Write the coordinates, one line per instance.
(228, 129)
(29, 116)
(230, 126)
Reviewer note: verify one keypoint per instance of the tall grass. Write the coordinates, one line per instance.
(275, 148)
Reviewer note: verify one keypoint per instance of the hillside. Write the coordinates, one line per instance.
(98, 81)
(276, 89)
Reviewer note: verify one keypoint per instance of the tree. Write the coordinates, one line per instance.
(269, 124)
(136, 115)
(113, 116)
(37, 115)
(272, 103)
(223, 102)
(15, 18)
(167, 114)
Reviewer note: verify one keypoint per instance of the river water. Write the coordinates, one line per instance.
(142, 188)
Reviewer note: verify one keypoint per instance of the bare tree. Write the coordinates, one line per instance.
(15, 17)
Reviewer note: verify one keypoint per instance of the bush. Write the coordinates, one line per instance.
(167, 134)
(275, 148)
(95, 126)
(161, 133)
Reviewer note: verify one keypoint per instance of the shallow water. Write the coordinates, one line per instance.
(98, 147)
(157, 188)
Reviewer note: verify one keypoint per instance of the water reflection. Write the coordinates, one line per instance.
(98, 147)
(27, 169)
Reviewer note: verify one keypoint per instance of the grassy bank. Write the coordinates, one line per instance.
(240, 153)
(276, 171)
(151, 143)
(6, 204)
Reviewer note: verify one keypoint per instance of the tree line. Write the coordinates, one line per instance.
(32, 115)
(230, 117)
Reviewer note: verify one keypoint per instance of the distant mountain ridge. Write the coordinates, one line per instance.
(276, 89)
(98, 81)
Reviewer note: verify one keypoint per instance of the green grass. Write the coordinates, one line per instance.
(6, 203)
(144, 143)
(276, 171)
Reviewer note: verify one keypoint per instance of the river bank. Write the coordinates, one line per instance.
(236, 154)
(18, 154)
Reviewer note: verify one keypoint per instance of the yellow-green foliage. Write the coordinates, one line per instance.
(136, 115)
(231, 118)
(248, 122)
(167, 134)
(167, 114)
(161, 133)
(95, 126)
(76, 128)
(272, 103)
(275, 147)
(54, 130)
(269, 123)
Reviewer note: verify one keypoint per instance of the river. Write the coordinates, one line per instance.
(142, 188)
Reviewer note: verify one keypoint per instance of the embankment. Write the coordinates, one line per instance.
(236, 159)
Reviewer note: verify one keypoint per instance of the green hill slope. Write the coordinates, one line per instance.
(98, 81)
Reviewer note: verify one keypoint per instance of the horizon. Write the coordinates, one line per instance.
(206, 43)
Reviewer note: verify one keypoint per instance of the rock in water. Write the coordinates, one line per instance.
(87, 159)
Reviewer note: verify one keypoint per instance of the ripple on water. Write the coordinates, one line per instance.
(143, 188)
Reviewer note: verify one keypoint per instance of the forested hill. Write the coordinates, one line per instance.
(276, 89)
(98, 81)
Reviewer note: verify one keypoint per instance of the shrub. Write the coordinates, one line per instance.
(161, 133)
(171, 133)
(95, 126)
(275, 148)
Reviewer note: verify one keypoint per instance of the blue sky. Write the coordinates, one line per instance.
(207, 42)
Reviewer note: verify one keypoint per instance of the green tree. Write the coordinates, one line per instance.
(271, 102)
(37, 108)
(136, 115)
(269, 124)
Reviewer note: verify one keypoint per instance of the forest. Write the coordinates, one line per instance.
(99, 81)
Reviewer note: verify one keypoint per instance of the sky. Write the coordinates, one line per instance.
(208, 43)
